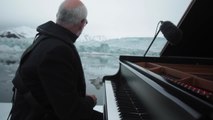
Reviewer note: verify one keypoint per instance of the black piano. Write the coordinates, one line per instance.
(178, 85)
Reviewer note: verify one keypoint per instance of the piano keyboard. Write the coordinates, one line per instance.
(112, 109)
(122, 104)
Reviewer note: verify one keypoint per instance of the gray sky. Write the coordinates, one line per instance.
(111, 18)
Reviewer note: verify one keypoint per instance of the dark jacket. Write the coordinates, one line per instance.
(54, 75)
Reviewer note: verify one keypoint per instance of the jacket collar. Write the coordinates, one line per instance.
(51, 29)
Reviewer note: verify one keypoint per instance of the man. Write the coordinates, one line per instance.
(49, 83)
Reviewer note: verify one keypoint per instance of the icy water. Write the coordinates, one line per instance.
(99, 58)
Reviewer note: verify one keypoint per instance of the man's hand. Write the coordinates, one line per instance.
(94, 98)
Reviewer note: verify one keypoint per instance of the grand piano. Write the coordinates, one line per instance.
(178, 85)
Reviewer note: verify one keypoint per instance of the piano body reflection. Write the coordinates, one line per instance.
(178, 85)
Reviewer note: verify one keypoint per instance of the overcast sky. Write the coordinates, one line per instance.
(112, 18)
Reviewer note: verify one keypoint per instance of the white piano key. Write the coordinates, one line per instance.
(112, 109)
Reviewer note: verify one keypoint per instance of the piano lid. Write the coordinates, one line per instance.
(196, 25)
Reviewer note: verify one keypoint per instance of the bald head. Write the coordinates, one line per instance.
(71, 12)
(72, 3)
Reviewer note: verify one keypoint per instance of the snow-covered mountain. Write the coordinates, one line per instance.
(27, 32)
(18, 32)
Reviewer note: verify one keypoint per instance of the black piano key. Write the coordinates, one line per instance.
(131, 116)
(130, 119)
(128, 105)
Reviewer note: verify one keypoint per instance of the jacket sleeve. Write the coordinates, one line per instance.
(59, 81)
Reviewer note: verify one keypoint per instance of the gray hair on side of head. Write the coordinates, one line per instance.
(71, 15)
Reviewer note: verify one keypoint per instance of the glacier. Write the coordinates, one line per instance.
(99, 55)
